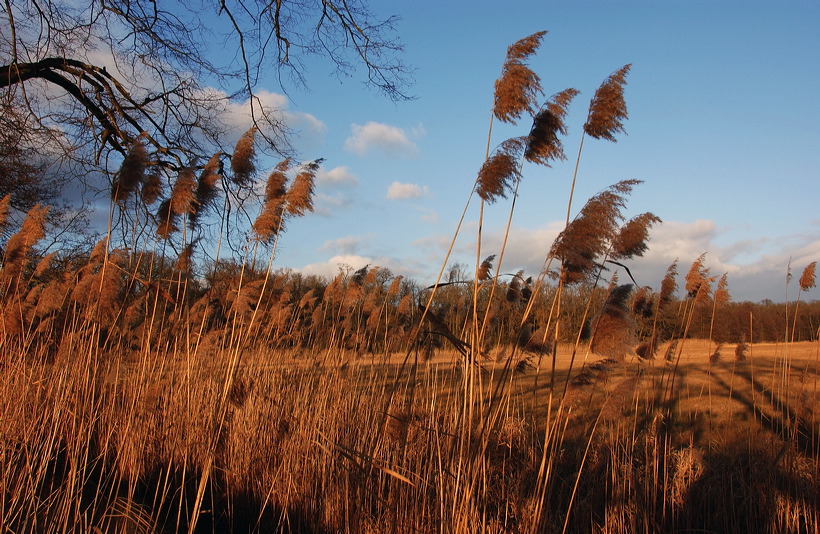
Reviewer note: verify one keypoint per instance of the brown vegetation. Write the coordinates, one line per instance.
(137, 397)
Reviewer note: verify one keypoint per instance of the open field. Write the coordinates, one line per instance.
(304, 443)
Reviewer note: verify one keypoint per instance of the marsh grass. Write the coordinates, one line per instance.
(137, 397)
(122, 446)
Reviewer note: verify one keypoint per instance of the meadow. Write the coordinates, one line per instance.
(141, 392)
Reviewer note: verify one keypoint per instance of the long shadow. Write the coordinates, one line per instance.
(783, 419)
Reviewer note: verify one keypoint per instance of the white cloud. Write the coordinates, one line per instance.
(398, 190)
(347, 245)
(756, 267)
(374, 136)
(305, 125)
(331, 267)
(325, 204)
(429, 215)
(337, 177)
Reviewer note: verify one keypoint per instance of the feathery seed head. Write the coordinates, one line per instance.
(588, 236)
(485, 268)
(166, 220)
(206, 191)
(300, 194)
(270, 221)
(543, 143)
(151, 188)
(243, 161)
(500, 172)
(722, 291)
(183, 196)
(607, 109)
(669, 285)
(275, 187)
(132, 172)
(807, 279)
(518, 87)
(5, 206)
(632, 237)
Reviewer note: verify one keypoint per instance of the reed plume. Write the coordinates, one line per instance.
(669, 285)
(715, 357)
(183, 195)
(513, 293)
(588, 236)
(485, 268)
(5, 207)
(152, 188)
(614, 329)
(243, 161)
(632, 237)
(722, 291)
(698, 281)
(807, 279)
(166, 220)
(206, 191)
(806, 282)
(300, 194)
(607, 109)
(131, 174)
(19, 245)
(44, 264)
(740, 351)
(642, 303)
(518, 87)
(544, 144)
(500, 171)
(276, 186)
(270, 221)
(184, 263)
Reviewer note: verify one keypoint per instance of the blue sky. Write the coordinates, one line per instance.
(723, 129)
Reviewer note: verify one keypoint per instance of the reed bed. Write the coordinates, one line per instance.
(141, 391)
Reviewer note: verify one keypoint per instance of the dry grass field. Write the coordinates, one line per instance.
(367, 444)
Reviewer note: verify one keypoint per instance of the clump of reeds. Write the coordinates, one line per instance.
(740, 351)
(19, 246)
(614, 329)
(715, 357)
(587, 238)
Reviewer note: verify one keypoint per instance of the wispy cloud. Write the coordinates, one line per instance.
(375, 136)
(348, 245)
(331, 267)
(326, 204)
(308, 129)
(337, 177)
(398, 190)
